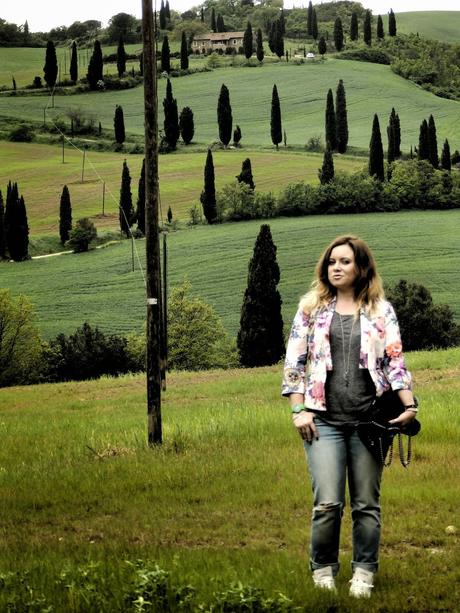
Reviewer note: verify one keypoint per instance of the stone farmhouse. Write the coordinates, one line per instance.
(217, 40)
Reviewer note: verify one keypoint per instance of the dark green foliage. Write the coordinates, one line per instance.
(202, 14)
(186, 125)
(260, 337)
(2, 229)
(23, 133)
(169, 215)
(380, 31)
(237, 136)
(224, 116)
(272, 37)
(367, 54)
(140, 205)
(432, 142)
(423, 152)
(87, 354)
(330, 124)
(65, 215)
(445, 157)
(126, 210)
(394, 137)
(376, 152)
(338, 34)
(220, 25)
(282, 21)
(247, 41)
(279, 39)
(326, 172)
(167, 11)
(314, 25)
(183, 52)
(119, 125)
(322, 46)
(245, 175)
(354, 26)
(310, 19)
(74, 63)
(391, 23)
(165, 56)
(121, 58)
(367, 30)
(213, 20)
(162, 16)
(208, 195)
(259, 46)
(456, 157)
(95, 66)
(341, 119)
(50, 69)
(171, 118)
(397, 134)
(275, 119)
(423, 324)
(16, 224)
(82, 235)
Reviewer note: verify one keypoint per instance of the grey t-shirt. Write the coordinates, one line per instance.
(350, 393)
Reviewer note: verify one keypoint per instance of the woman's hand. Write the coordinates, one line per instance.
(305, 425)
(403, 419)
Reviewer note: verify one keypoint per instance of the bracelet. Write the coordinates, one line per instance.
(298, 408)
(412, 408)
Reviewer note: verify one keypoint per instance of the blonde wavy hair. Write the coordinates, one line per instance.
(368, 285)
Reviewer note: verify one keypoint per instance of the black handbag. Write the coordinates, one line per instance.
(378, 435)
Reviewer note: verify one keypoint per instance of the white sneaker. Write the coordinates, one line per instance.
(361, 584)
(324, 578)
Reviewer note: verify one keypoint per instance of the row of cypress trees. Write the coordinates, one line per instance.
(14, 227)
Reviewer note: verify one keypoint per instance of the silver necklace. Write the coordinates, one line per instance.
(346, 361)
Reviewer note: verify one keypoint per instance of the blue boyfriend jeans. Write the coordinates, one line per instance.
(339, 451)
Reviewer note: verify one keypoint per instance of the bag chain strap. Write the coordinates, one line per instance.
(404, 461)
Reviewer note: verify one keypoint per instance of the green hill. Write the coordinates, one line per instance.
(101, 288)
(440, 25)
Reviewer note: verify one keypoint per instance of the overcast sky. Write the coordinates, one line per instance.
(42, 15)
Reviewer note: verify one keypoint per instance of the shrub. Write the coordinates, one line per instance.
(235, 202)
(374, 56)
(37, 83)
(82, 235)
(315, 144)
(22, 134)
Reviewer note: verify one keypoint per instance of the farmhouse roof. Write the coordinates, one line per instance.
(218, 36)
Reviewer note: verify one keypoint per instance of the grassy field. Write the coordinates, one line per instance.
(41, 175)
(101, 288)
(441, 25)
(226, 499)
(370, 89)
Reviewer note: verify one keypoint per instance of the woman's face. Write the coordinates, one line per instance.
(341, 270)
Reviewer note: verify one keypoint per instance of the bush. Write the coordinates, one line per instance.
(22, 134)
(374, 56)
(235, 202)
(82, 235)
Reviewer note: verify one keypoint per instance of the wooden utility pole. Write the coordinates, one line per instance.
(152, 244)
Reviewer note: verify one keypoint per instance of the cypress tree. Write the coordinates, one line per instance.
(338, 34)
(432, 143)
(171, 118)
(272, 37)
(260, 337)
(380, 32)
(391, 154)
(162, 16)
(331, 128)
(202, 15)
(126, 211)
(16, 225)
(140, 205)
(237, 136)
(95, 66)
(247, 41)
(397, 135)
(322, 47)
(245, 175)
(376, 152)
(167, 11)
(423, 152)
(121, 58)
(391, 23)
(169, 215)
(314, 25)
(186, 125)
(74, 63)
(165, 56)
(279, 40)
(213, 20)
(220, 25)
(310, 19)
(341, 119)
(65, 215)
(282, 22)
(326, 172)
(50, 69)
(119, 125)
(259, 46)
(446, 162)
(367, 30)
(275, 120)
(224, 116)
(354, 26)
(208, 195)
(183, 52)
(2, 228)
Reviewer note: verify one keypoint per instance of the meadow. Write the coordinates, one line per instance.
(88, 509)
(100, 286)
(439, 25)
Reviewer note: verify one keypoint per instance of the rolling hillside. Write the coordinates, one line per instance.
(440, 25)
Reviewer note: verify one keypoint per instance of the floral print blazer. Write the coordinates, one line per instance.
(308, 353)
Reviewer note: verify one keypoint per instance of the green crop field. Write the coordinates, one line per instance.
(370, 89)
(88, 509)
(101, 288)
(441, 25)
(41, 175)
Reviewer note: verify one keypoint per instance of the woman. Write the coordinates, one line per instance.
(343, 350)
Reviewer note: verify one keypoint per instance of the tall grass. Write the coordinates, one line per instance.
(225, 499)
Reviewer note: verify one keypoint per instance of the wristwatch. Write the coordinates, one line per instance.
(298, 408)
